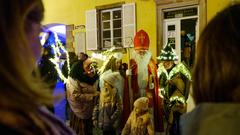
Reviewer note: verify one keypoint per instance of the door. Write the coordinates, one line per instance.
(180, 26)
(189, 32)
(171, 30)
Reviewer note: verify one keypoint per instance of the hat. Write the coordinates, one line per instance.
(111, 77)
(141, 40)
(167, 53)
(141, 103)
(118, 55)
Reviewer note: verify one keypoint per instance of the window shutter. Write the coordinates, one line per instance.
(80, 42)
(129, 26)
(69, 38)
(91, 29)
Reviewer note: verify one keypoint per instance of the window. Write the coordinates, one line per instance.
(111, 28)
(116, 27)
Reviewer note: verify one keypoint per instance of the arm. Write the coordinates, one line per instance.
(119, 108)
(127, 128)
(150, 127)
(95, 114)
(75, 90)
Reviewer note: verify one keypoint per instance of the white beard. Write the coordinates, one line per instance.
(142, 66)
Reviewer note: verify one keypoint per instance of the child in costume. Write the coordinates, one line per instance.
(107, 112)
(139, 121)
(173, 79)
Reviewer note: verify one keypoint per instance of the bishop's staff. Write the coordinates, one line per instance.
(129, 73)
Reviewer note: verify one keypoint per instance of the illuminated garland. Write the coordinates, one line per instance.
(58, 43)
(177, 98)
(178, 68)
(104, 56)
(182, 69)
(56, 50)
(168, 53)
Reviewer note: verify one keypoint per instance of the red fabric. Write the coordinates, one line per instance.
(141, 40)
(155, 100)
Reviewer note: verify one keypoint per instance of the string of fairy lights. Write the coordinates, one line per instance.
(57, 46)
(179, 68)
(105, 57)
(57, 53)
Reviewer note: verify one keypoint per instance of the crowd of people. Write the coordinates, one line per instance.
(133, 101)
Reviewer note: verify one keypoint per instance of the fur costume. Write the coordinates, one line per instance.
(143, 80)
(173, 87)
(107, 112)
(81, 95)
(139, 121)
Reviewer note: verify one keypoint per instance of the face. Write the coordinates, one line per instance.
(107, 85)
(141, 52)
(168, 64)
(87, 68)
(33, 39)
(118, 64)
(138, 110)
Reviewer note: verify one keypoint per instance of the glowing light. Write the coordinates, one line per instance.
(60, 29)
(177, 98)
(178, 68)
(57, 53)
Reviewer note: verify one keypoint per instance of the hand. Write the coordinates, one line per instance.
(128, 72)
(96, 93)
(95, 123)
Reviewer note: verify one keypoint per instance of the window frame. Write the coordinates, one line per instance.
(111, 29)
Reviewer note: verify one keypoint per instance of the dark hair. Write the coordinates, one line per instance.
(82, 56)
(216, 73)
(77, 72)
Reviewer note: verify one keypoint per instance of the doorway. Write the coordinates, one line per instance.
(180, 26)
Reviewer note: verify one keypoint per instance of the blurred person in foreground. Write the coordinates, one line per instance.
(22, 95)
(216, 77)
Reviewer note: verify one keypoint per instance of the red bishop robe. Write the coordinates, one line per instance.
(152, 94)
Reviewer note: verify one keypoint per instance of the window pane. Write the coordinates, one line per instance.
(117, 42)
(106, 43)
(117, 14)
(106, 16)
(106, 25)
(117, 23)
(117, 33)
(107, 34)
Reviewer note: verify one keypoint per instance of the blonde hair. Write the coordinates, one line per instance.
(19, 88)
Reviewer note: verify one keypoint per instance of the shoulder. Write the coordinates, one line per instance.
(211, 119)
(54, 124)
(9, 130)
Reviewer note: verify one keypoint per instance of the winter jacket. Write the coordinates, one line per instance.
(38, 122)
(81, 97)
(141, 125)
(212, 119)
(107, 114)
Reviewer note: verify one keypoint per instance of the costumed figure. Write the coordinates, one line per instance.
(143, 80)
(139, 121)
(173, 80)
(114, 63)
(107, 112)
(187, 48)
(82, 91)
